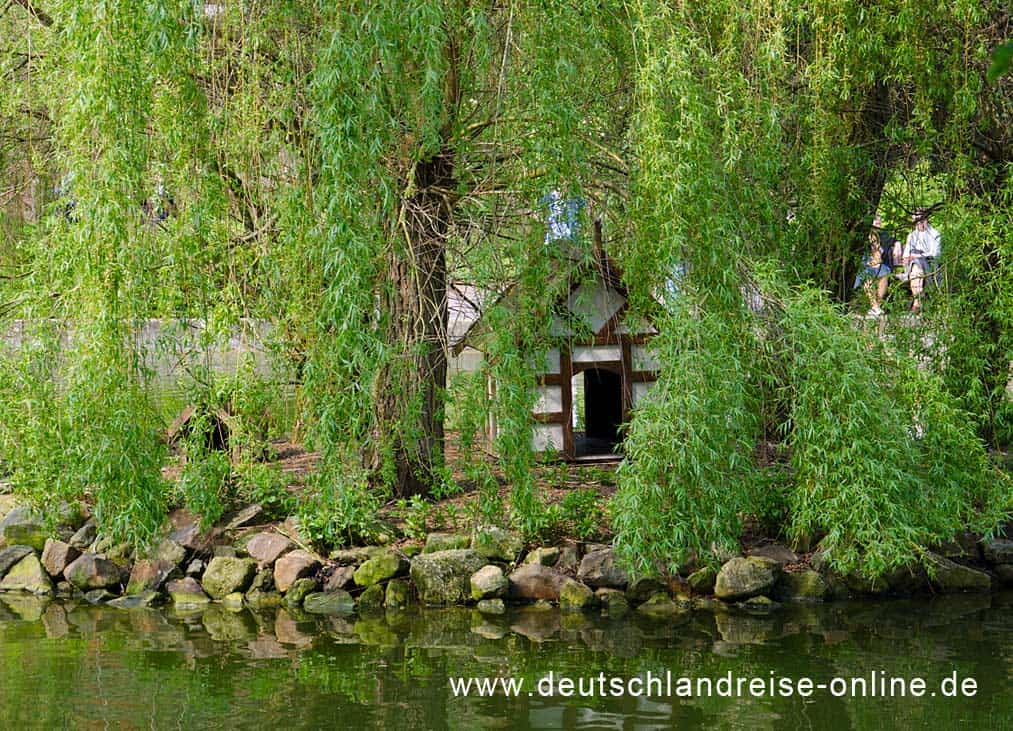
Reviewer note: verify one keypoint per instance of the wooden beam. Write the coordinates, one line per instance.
(566, 375)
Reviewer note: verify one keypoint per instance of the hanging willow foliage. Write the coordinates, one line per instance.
(746, 168)
(330, 169)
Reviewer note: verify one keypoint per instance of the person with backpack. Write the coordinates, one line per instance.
(877, 266)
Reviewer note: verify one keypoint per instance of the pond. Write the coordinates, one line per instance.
(73, 665)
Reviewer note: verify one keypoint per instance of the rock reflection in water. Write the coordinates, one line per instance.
(72, 664)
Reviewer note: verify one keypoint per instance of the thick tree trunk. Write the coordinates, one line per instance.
(410, 385)
(869, 176)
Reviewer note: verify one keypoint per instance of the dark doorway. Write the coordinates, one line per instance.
(603, 413)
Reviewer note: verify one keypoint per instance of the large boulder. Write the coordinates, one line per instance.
(266, 548)
(331, 602)
(89, 571)
(380, 568)
(949, 577)
(23, 527)
(57, 555)
(532, 581)
(497, 544)
(225, 575)
(742, 578)
(599, 569)
(444, 577)
(292, 566)
(150, 575)
(489, 583)
(27, 575)
(12, 555)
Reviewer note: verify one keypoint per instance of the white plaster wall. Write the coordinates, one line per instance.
(596, 354)
(640, 390)
(643, 359)
(550, 400)
(547, 436)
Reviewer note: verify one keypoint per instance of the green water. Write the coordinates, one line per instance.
(67, 665)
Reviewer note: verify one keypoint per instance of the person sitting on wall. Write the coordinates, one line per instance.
(921, 250)
(877, 266)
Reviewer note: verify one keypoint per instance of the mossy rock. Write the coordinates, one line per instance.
(497, 544)
(372, 598)
(28, 575)
(702, 580)
(576, 596)
(380, 568)
(660, 606)
(398, 594)
(141, 600)
(802, 586)
(491, 606)
(227, 574)
(299, 590)
(489, 583)
(613, 602)
(742, 578)
(444, 577)
(445, 542)
(187, 593)
(23, 527)
(263, 599)
(643, 588)
(546, 556)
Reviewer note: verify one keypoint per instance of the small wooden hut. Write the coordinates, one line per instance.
(591, 382)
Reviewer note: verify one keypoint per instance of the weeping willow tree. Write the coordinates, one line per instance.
(441, 125)
(767, 133)
(333, 168)
(132, 153)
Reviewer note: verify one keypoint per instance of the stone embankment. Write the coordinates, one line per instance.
(253, 563)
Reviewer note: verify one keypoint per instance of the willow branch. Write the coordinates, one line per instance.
(39, 15)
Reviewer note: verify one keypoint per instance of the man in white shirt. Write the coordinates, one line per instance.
(921, 249)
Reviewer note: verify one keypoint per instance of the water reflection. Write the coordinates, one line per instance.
(72, 664)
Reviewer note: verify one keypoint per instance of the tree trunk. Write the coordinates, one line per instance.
(411, 383)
